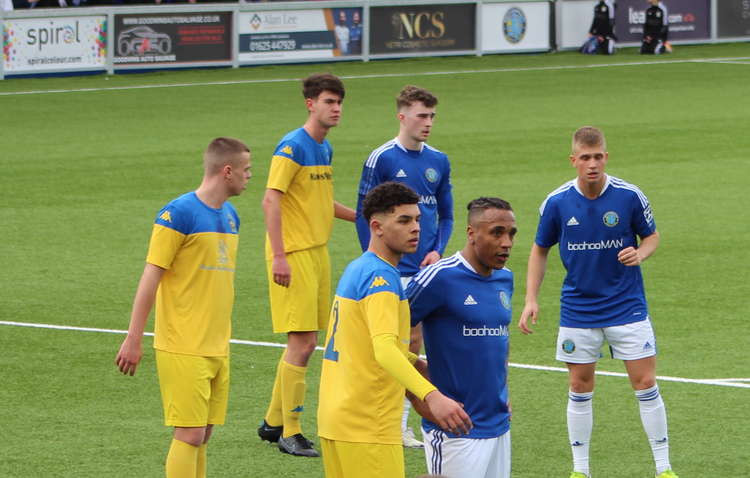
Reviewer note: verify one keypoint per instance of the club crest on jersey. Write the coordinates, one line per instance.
(431, 175)
(504, 299)
(568, 346)
(223, 253)
(379, 281)
(611, 219)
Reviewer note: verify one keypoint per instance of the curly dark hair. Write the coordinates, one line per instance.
(386, 196)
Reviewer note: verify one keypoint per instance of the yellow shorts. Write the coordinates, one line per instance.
(304, 306)
(342, 459)
(194, 389)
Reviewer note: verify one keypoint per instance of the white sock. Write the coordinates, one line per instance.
(405, 415)
(654, 419)
(580, 424)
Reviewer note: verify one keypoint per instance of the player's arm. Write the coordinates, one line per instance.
(448, 414)
(445, 221)
(632, 256)
(343, 212)
(282, 272)
(534, 277)
(130, 352)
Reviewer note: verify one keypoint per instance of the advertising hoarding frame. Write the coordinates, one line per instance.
(557, 8)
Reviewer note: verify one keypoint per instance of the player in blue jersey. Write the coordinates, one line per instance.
(408, 159)
(189, 274)
(597, 220)
(463, 303)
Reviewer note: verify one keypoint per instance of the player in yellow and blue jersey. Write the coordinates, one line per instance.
(189, 273)
(410, 160)
(366, 362)
(299, 210)
(597, 220)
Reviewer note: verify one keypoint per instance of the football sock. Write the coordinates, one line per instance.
(182, 460)
(292, 397)
(201, 469)
(654, 419)
(273, 414)
(405, 415)
(580, 424)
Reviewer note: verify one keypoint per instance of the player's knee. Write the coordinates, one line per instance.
(194, 436)
(643, 383)
(581, 384)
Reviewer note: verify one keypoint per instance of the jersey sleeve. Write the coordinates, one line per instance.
(284, 166)
(370, 178)
(445, 209)
(548, 230)
(643, 217)
(169, 231)
(423, 295)
(380, 303)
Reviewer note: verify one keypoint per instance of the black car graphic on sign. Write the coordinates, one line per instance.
(141, 40)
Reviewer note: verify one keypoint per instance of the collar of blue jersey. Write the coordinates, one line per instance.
(398, 143)
(606, 185)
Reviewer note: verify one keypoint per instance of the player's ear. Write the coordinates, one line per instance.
(376, 227)
(308, 104)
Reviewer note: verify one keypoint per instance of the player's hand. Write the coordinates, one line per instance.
(430, 258)
(449, 414)
(282, 272)
(530, 311)
(629, 256)
(129, 355)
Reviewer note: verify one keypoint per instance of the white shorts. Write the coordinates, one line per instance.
(626, 342)
(467, 457)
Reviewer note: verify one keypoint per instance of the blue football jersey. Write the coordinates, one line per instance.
(598, 291)
(465, 319)
(427, 172)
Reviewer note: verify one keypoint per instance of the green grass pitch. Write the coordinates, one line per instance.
(83, 173)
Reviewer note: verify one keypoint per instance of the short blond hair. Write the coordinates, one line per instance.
(588, 136)
(223, 151)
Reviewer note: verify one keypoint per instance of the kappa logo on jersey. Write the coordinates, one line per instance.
(379, 281)
(166, 216)
(573, 221)
(287, 150)
(400, 174)
(470, 300)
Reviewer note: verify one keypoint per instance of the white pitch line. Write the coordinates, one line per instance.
(727, 382)
(382, 75)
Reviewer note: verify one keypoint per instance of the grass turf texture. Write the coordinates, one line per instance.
(85, 172)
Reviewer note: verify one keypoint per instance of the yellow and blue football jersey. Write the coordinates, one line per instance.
(197, 245)
(301, 169)
(359, 400)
